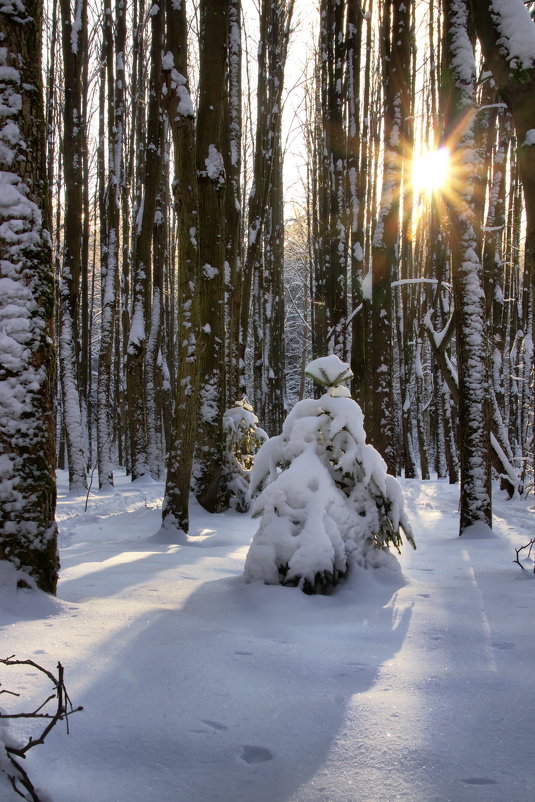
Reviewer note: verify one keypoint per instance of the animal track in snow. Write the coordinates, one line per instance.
(255, 754)
(216, 725)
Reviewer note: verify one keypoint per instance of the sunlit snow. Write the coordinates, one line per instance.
(197, 686)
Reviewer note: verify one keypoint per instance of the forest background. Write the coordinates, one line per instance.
(185, 282)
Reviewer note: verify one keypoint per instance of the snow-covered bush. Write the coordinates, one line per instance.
(243, 439)
(326, 499)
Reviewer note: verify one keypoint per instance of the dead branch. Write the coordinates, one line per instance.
(529, 546)
(20, 780)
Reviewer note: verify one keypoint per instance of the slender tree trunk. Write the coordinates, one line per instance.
(114, 51)
(333, 252)
(142, 258)
(233, 200)
(386, 242)
(74, 56)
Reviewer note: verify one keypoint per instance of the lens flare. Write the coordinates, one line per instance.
(430, 171)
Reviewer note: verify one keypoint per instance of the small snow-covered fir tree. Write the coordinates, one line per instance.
(243, 439)
(326, 498)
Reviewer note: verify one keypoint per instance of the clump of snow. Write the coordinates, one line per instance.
(517, 32)
(478, 530)
(328, 371)
(215, 169)
(326, 499)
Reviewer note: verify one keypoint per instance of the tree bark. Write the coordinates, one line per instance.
(74, 56)
(472, 356)
(175, 511)
(210, 489)
(28, 533)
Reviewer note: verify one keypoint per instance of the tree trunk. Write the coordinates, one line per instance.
(74, 55)
(142, 258)
(210, 489)
(472, 356)
(28, 533)
(175, 510)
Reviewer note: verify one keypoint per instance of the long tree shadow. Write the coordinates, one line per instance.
(236, 695)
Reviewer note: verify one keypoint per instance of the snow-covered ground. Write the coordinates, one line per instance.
(198, 687)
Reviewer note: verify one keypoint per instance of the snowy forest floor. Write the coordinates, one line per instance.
(197, 687)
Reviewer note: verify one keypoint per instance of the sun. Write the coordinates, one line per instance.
(430, 171)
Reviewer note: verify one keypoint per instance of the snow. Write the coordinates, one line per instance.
(215, 169)
(462, 51)
(517, 32)
(328, 370)
(198, 686)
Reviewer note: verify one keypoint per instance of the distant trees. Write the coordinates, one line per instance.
(28, 532)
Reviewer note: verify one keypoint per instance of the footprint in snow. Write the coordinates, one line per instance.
(216, 725)
(255, 754)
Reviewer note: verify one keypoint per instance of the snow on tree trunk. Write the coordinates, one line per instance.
(74, 53)
(140, 326)
(506, 31)
(182, 123)
(472, 356)
(327, 501)
(209, 469)
(28, 533)
(114, 49)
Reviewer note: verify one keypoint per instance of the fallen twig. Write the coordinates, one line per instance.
(63, 709)
(527, 546)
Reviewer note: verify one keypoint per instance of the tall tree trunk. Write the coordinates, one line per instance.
(210, 489)
(233, 166)
(28, 532)
(472, 357)
(142, 257)
(334, 230)
(74, 56)
(275, 19)
(386, 242)
(175, 511)
(114, 51)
